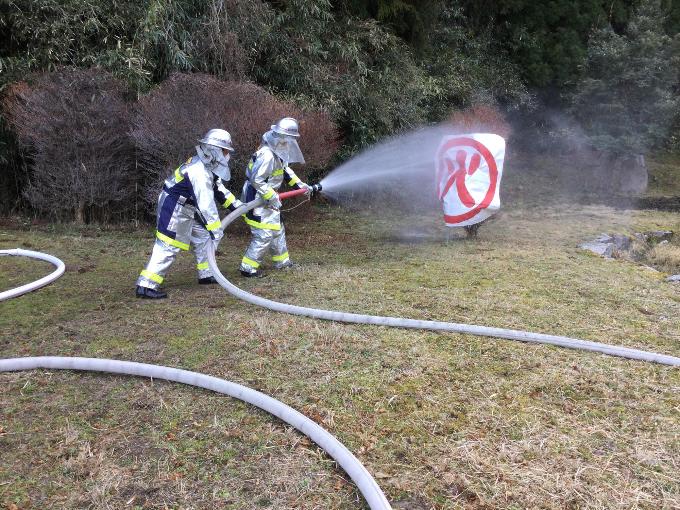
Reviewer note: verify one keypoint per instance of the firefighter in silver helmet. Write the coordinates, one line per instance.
(267, 170)
(187, 212)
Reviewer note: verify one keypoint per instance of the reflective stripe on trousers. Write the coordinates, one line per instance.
(265, 241)
(163, 255)
(200, 238)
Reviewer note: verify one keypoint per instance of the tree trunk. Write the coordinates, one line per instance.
(80, 213)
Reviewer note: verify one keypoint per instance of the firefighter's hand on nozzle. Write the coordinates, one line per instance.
(308, 189)
(274, 202)
(217, 236)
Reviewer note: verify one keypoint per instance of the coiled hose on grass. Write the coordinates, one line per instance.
(18, 291)
(509, 334)
(348, 462)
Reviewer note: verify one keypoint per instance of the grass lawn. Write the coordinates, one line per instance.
(442, 421)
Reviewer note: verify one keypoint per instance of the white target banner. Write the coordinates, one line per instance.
(468, 177)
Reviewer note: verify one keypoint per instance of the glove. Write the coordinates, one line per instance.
(274, 202)
(307, 188)
(237, 203)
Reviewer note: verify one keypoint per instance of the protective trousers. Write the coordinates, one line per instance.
(189, 233)
(163, 255)
(266, 240)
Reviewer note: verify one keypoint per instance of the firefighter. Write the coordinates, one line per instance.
(267, 170)
(187, 212)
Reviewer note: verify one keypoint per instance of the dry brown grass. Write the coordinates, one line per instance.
(666, 256)
(443, 421)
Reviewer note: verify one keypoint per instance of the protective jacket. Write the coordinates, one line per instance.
(265, 174)
(192, 189)
(187, 216)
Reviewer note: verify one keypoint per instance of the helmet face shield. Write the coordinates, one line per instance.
(284, 146)
(214, 150)
(294, 152)
(215, 160)
(282, 140)
(223, 172)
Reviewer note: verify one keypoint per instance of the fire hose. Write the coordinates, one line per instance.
(346, 460)
(508, 334)
(60, 268)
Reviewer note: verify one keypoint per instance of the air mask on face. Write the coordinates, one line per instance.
(215, 160)
(222, 168)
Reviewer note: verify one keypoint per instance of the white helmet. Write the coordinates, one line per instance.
(210, 151)
(287, 126)
(218, 138)
(281, 138)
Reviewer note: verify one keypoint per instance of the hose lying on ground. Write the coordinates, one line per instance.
(357, 472)
(509, 334)
(38, 283)
(367, 486)
(369, 489)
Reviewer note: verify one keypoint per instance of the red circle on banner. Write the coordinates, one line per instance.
(464, 141)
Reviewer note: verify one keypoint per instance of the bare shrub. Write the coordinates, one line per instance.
(170, 119)
(222, 53)
(73, 126)
(481, 118)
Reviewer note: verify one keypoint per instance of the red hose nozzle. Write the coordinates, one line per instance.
(316, 188)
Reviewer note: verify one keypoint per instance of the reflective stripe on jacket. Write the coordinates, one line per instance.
(190, 185)
(265, 175)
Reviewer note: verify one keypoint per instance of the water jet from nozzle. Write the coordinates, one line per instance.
(397, 172)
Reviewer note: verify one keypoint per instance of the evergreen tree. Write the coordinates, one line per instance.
(546, 40)
(673, 22)
(627, 100)
(464, 68)
(411, 20)
(141, 41)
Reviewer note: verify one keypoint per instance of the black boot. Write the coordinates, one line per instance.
(208, 280)
(254, 274)
(147, 293)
